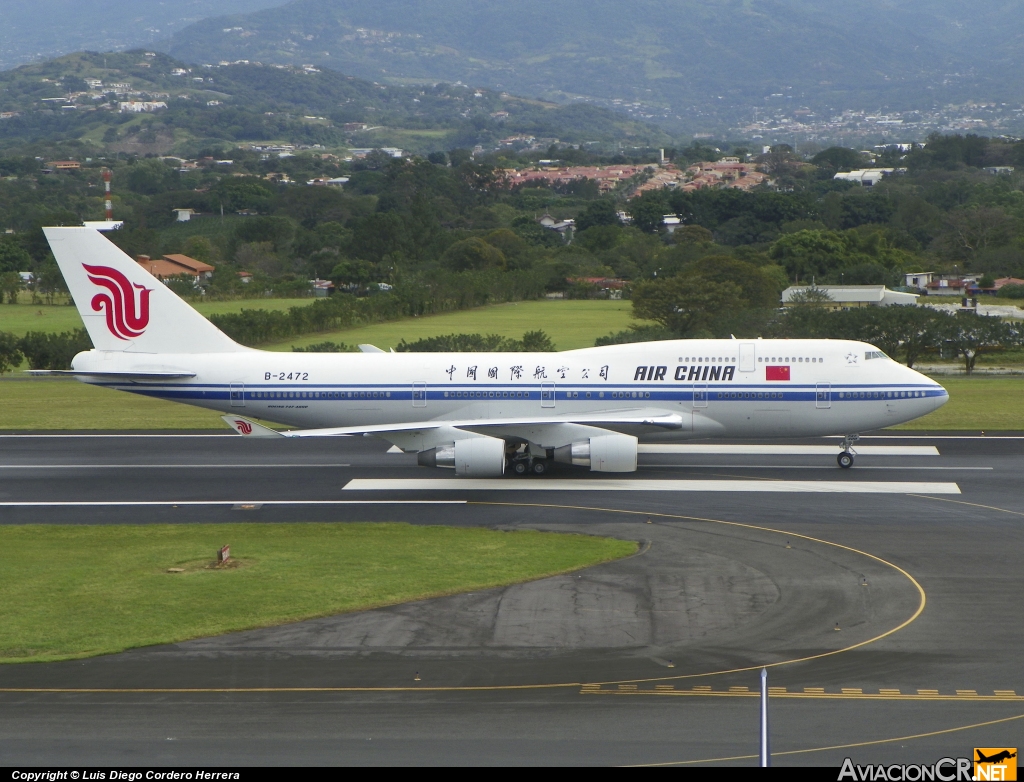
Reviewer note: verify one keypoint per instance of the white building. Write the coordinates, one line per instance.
(919, 279)
(867, 177)
(846, 297)
(139, 106)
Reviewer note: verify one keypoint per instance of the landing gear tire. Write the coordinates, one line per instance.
(520, 468)
(539, 468)
(845, 460)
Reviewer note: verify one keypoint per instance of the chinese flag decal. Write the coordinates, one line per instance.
(776, 373)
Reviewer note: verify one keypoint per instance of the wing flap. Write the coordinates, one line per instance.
(650, 417)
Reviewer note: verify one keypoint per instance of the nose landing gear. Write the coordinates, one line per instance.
(845, 458)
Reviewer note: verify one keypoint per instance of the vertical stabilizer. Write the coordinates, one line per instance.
(123, 306)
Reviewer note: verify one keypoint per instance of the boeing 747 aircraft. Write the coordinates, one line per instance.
(482, 413)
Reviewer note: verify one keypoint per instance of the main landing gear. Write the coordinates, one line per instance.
(523, 462)
(845, 458)
(528, 466)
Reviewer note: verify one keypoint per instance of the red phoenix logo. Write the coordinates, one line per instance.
(126, 317)
(244, 427)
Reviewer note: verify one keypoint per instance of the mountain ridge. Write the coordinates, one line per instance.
(679, 55)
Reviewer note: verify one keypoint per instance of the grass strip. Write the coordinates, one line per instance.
(21, 318)
(571, 324)
(983, 403)
(66, 403)
(69, 591)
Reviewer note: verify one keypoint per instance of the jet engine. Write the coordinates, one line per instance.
(604, 453)
(476, 457)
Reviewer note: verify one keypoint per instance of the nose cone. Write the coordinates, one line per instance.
(941, 396)
(935, 395)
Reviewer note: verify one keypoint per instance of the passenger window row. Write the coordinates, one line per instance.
(880, 394)
(487, 395)
(320, 395)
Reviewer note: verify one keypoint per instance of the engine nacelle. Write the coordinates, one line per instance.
(477, 457)
(604, 453)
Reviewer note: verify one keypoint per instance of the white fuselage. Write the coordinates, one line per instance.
(720, 388)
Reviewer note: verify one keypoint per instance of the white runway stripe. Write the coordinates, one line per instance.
(789, 450)
(639, 484)
(163, 466)
(193, 503)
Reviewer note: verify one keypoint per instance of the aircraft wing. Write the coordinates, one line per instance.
(419, 435)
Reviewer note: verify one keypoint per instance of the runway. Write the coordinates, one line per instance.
(896, 581)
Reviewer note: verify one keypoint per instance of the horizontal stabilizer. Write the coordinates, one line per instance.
(125, 375)
(368, 348)
(248, 428)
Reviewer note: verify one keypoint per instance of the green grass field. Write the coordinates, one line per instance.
(65, 403)
(70, 591)
(21, 318)
(571, 324)
(980, 403)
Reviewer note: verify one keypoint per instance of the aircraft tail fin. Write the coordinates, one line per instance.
(123, 306)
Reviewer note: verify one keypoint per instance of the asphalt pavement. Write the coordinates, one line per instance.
(885, 600)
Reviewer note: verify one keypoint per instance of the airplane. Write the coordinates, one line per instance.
(997, 758)
(482, 413)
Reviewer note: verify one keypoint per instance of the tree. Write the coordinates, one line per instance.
(647, 211)
(838, 159)
(600, 212)
(919, 330)
(971, 230)
(357, 274)
(807, 254)
(970, 335)
(202, 249)
(183, 285)
(777, 160)
(10, 286)
(693, 234)
(13, 257)
(10, 354)
(757, 290)
(473, 253)
(53, 351)
(684, 304)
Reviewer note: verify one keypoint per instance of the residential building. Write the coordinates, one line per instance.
(174, 264)
(845, 297)
(948, 287)
(64, 165)
(919, 279)
(183, 215)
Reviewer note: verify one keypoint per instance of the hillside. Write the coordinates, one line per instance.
(687, 61)
(83, 96)
(99, 25)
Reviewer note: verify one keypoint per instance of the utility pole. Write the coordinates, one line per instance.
(107, 203)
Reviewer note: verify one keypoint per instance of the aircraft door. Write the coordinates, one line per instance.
(700, 394)
(823, 396)
(547, 394)
(237, 394)
(747, 359)
(419, 394)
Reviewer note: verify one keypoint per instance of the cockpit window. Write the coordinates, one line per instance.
(874, 354)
